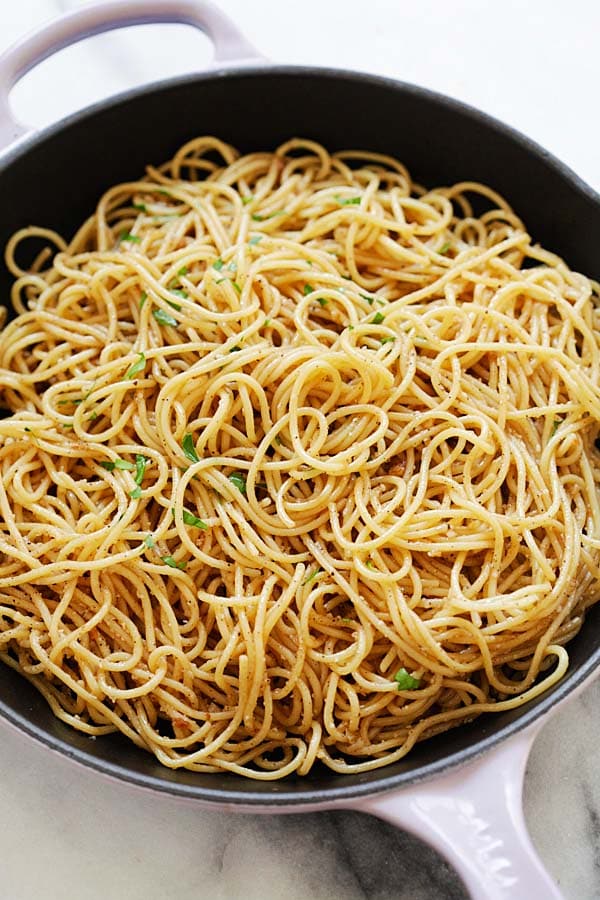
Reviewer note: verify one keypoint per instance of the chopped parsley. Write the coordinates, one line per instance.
(149, 541)
(444, 248)
(236, 286)
(322, 301)
(143, 298)
(377, 318)
(387, 340)
(172, 563)
(555, 426)
(218, 264)
(367, 298)
(192, 520)
(405, 681)
(140, 206)
(347, 201)
(312, 576)
(255, 239)
(127, 236)
(111, 464)
(189, 449)
(140, 467)
(137, 367)
(258, 218)
(164, 318)
(248, 199)
(307, 289)
(239, 481)
(136, 493)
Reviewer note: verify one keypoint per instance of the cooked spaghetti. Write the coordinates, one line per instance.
(299, 461)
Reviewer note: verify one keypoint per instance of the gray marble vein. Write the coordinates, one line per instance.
(111, 841)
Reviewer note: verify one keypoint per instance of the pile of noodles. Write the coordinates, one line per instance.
(299, 463)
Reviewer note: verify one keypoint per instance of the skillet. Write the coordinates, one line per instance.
(461, 791)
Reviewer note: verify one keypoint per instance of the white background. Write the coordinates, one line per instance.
(67, 833)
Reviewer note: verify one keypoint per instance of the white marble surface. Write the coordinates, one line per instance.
(67, 833)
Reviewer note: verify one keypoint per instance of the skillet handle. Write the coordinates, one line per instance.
(474, 817)
(229, 44)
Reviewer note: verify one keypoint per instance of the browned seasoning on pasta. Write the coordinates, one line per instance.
(299, 464)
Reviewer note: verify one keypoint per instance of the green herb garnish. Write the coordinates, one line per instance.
(137, 367)
(444, 248)
(377, 318)
(255, 239)
(189, 448)
(307, 289)
(140, 467)
(322, 301)
(127, 236)
(387, 340)
(236, 286)
(110, 465)
(248, 199)
(136, 493)
(143, 298)
(218, 264)
(347, 201)
(239, 481)
(555, 426)
(169, 561)
(312, 576)
(367, 298)
(164, 318)
(190, 519)
(405, 681)
(259, 218)
(149, 541)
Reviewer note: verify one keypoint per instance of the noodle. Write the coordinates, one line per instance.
(299, 462)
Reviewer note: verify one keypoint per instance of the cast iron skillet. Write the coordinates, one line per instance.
(462, 790)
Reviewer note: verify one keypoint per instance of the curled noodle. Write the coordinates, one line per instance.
(299, 462)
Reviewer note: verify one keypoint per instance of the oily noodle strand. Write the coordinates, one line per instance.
(299, 463)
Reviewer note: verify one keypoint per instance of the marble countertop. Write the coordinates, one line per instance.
(68, 833)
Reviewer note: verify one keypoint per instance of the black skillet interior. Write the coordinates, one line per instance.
(55, 181)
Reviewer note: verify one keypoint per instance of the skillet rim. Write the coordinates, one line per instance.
(346, 792)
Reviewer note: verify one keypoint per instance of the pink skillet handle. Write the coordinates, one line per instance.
(229, 44)
(474, 817)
